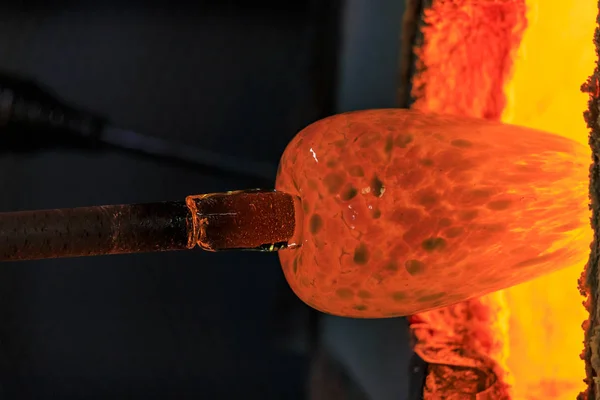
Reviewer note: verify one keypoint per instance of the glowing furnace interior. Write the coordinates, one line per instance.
(537, 326)
(555, 57)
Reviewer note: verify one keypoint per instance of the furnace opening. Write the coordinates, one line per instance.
(521, 62)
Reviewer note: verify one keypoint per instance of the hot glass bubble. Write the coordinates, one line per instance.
(402, 212)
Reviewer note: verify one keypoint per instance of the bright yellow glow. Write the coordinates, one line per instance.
(556, 56)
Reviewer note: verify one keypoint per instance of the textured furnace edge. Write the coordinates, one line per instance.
(411, 30)
(589, 282)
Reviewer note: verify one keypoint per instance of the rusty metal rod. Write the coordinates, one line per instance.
(88, 231)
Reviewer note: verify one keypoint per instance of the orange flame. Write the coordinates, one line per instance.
(529, 336)
(546, 314)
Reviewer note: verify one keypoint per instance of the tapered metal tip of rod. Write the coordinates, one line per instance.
(263, 220)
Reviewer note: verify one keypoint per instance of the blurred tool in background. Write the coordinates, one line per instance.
(41, 120)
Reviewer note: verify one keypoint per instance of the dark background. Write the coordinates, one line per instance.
(234, 79)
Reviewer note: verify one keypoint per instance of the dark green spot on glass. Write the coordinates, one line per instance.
(445, 222)
(431, 297)
(377, 187)
(433, 244)
(414, 267)
(349, 193)
(389, 144)
(399, 296)
(391, 266)
(333, 182)
(468, 215)
(428, 199)
(361, 254)
(461, 143)
(315, 223)
(305, 206)
(499, 205)
(344, 293)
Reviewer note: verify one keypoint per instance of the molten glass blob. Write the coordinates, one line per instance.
(405, 212)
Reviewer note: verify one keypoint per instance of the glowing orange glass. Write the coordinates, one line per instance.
(405, 211)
